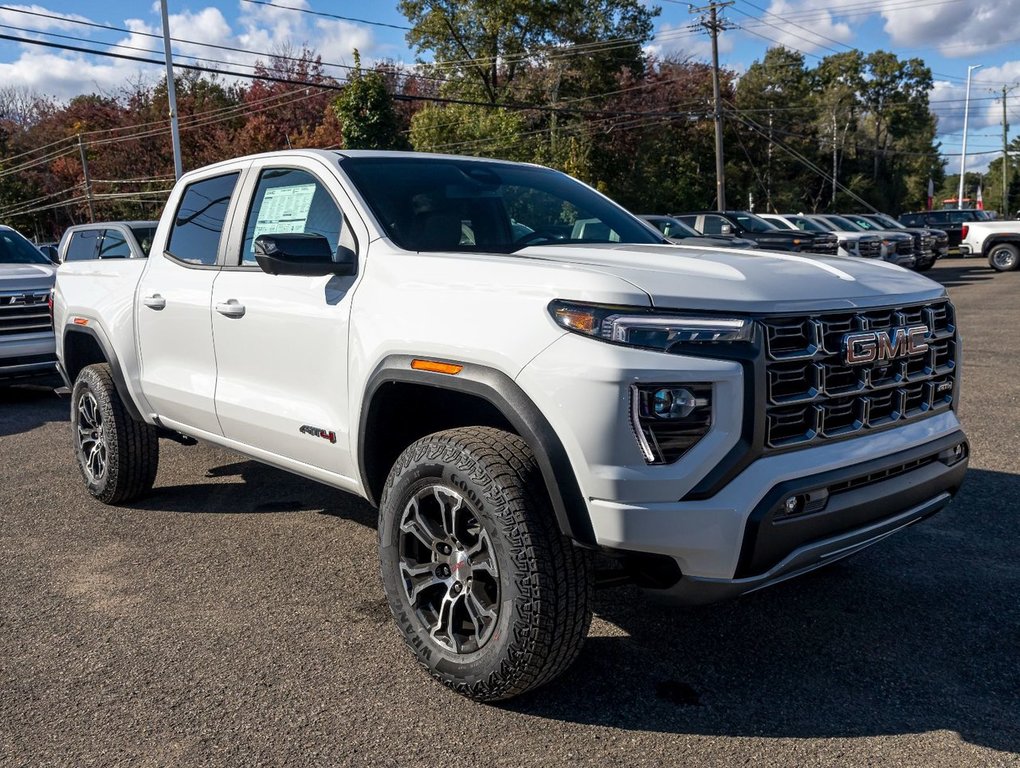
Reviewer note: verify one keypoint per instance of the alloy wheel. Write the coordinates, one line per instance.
(449, 569)
(91, 437)
(1004, 258)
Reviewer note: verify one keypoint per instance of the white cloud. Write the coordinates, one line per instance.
(260, 28)
(805, 25)
(957, 28)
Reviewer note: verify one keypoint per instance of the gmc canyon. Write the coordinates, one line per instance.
(419, 331)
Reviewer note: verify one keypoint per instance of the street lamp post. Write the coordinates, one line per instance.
(963, 152)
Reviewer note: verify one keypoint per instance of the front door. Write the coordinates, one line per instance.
(281, 341)
(178, 366)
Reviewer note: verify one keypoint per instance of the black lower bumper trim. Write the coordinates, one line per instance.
(854, 497)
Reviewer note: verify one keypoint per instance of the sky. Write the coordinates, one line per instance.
(949, 35)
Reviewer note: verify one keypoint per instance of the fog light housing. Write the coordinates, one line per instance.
(670, 419)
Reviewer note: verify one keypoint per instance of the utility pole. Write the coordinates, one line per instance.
(710, 21)
(171, 92)
(88, 181)
(1005, 151)
(963, 153)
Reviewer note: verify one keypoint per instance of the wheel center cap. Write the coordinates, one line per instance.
(460, 566)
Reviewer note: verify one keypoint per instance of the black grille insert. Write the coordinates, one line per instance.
(814, 395)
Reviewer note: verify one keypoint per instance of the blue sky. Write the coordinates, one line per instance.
(948, 34)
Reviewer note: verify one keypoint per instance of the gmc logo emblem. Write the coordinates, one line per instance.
(882, 346)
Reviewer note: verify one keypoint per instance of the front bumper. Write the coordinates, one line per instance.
(847, 509)
(27, 356)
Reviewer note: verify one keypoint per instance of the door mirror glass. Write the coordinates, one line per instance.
(296, 253)
(725, 229)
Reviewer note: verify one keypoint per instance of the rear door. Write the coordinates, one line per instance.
(282, 340)
(178, 366)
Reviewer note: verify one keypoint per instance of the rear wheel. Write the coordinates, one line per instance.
(490, 596)
(117, 455)
(1004, 257)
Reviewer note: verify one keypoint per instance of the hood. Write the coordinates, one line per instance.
(687, 277)
(720, 241)
(26, 277)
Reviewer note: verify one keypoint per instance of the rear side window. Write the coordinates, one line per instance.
(83, 246)
(198, 224)
(144, 236)
(114, 246)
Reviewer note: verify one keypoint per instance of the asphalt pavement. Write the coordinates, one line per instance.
(235, 618)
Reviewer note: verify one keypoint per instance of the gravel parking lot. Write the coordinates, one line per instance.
(235, 617)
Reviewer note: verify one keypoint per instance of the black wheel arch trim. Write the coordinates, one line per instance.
(999, 238)
(500, 391)
(119, 380)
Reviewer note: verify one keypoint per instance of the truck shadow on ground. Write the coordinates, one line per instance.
(246, 487)
(25, 407)
(920, 634)
(963, 272)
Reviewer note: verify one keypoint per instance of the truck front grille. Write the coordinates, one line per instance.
(869, 249)
(905, 247)
(25, 312)
(925, 246)
(814, 395)
(827, 245)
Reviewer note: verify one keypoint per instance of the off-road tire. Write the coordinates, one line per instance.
(131, 446)
(1004, 257)
(545, 582)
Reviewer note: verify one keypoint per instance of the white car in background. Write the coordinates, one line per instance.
(859, 244)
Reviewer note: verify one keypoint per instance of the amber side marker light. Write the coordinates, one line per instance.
(436, 367)
(81, 321)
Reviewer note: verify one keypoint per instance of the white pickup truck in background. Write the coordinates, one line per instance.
(996, 240)
(516, 392)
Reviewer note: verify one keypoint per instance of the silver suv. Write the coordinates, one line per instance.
(26, 324)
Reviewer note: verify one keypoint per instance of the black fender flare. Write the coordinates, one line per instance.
(999, 238)
(120, 382)
(500, 391)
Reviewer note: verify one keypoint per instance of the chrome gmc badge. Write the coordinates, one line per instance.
(883, 346)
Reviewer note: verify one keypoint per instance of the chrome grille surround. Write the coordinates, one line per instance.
(813, 395)
(25, 312)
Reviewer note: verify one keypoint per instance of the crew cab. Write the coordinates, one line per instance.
(949, 220)
(27, 348)
(516, 393)
(107, 240)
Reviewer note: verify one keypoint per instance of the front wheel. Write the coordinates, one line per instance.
(1004, 257)
(490, 596)
(117, 455)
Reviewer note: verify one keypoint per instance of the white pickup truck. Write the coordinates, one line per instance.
(998, 241)
(427, 332)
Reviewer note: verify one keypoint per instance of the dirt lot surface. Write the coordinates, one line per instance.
(235, 618)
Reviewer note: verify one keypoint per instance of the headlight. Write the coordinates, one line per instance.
(638, 327)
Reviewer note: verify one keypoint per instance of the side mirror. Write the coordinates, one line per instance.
(726, 229)
(295, 253)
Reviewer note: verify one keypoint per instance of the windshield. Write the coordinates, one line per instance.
(439, 204)
(673, 228)
(886, 221)
(802, 222)
(844, 224)
(781, 224)
(862, 222)
(144, 237)
(14, 249)
(753, 223)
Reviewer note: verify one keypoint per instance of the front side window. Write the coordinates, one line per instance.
(198, 224)
(114, 246)
(83, 246)
(436, 204)
(290, 201)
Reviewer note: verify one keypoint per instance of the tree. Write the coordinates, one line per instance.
(487, 44)
(365, 111)
(469, 130)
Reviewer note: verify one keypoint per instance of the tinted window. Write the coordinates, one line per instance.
(83, 245)
(114, 246)
(806, 224)
(753, 223)
(15, 249)
(712, 225)
(290, 201)
(436, 204)
(144, 236)
(912, 219)
(780, 224)
(198, 224)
